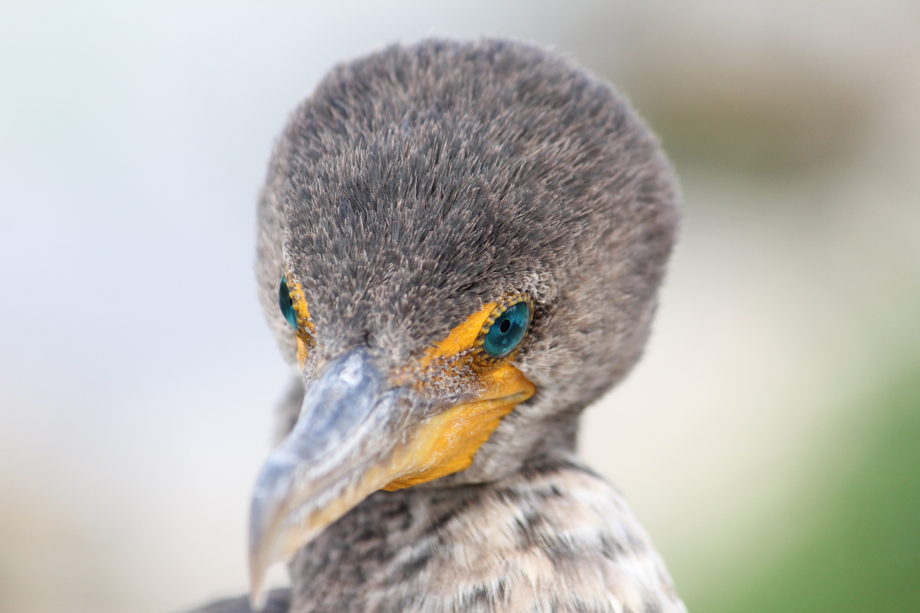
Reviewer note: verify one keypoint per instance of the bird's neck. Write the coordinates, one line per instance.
(518, 544)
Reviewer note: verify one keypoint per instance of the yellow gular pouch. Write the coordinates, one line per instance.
(448, 441)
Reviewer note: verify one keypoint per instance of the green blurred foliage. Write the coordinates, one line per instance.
(862, 552)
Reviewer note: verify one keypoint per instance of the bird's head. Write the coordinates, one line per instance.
(459, 248)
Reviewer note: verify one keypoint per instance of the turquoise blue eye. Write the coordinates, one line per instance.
(284, 301)
(508, 330)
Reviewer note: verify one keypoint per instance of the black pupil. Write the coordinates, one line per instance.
(505, 326)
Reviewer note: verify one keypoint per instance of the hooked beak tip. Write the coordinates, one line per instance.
(257, 569)
(257, 598)
(267, 510)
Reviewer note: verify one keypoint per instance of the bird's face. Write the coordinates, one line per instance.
(368, 423)
(455, 276)
(437, 407)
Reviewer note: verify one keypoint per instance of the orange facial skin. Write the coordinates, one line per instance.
(305, 324)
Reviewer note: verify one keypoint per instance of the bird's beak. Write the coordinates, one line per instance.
(358, 432)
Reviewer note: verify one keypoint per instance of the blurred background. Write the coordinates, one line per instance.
(769, 440)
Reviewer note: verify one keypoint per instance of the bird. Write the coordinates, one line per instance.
(459, 248)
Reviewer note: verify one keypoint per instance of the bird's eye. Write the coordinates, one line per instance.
(284, 301)
(508, 330)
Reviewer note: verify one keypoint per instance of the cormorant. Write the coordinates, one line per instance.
(459, 249)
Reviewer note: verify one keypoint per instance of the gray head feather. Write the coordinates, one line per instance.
(419, 183)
